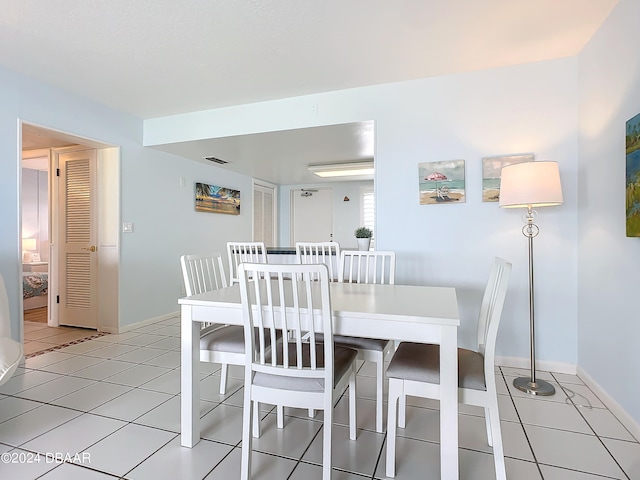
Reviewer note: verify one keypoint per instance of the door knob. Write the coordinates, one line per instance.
(92, 248)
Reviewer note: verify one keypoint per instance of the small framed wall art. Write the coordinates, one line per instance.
(491, 168)
(441, 182)
(214, 199)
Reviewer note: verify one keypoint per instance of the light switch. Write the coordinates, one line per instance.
(127, 227)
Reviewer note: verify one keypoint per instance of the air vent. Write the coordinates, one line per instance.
(219, 161)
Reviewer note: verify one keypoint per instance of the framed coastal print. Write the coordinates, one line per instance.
(214, 199)
(633, 176)
(441, 182)
(491, 168)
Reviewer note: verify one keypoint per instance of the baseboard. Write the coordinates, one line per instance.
(143, 323)
(519, 362)
(113, 330)
(627, 420)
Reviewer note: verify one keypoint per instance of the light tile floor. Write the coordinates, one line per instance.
(38, 336)
(109, 408)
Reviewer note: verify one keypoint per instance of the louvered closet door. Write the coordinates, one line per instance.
(78, 261)
(264, 218)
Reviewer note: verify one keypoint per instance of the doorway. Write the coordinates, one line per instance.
(38, 203)
(35, 235)
(311, 215)
(53, 145)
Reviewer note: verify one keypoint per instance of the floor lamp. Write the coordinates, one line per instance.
(528, 185)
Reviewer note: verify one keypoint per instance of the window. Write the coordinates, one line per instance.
(368, 209)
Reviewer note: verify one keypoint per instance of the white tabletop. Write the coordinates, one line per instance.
(406, 303)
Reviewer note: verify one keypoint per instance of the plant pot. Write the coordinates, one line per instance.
(363, 243)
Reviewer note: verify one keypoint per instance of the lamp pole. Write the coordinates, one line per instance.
(532, 385)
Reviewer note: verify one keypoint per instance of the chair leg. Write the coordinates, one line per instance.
(395, 392)
(402, 411)
(223, 378)
(498, 452)
(245, 464)
(379, 391)
(280, 415)
(352, 405)
(256, 419)
(326, 440)
(487, 421)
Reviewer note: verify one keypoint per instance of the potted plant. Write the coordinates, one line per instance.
(363, 236)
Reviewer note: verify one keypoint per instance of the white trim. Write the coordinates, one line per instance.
(143, 323)
(627, 420)
(547, 366)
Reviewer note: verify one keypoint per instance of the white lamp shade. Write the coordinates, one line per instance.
(29, 244)
(530, 184)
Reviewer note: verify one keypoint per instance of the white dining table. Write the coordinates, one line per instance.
(396, 312)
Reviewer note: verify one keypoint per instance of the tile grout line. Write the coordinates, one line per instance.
(593, 430)
(64, 345)
(305, 451)
(535, 458)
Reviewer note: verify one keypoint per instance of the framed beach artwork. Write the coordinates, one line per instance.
(441, 182)
(633, 176)
(491, 168)
(214, 199)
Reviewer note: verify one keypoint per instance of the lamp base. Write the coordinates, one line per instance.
(539, 387)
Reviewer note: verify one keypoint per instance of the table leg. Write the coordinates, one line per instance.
(189, 379)
(449, 403)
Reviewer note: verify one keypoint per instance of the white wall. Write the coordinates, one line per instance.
(166, 224)
(609, 329)
(346, 215)
(35, 201)
(530, 108)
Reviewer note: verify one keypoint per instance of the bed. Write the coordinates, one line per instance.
(35, 289)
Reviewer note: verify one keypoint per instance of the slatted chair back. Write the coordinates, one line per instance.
(202, 273)
(244, 252)
(309, 300)
(367, 267)
(491, 310)
(327, 253)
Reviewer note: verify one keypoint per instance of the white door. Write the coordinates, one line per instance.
(264, 214)
(311, 215)
(77, 239)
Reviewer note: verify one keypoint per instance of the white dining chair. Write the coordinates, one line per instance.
(415, 370)
(219, 343)
(10, 351)
(369, 267)
(240, 252)
(327, 253)
(303, 372)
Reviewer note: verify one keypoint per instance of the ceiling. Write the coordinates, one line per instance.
(153, 58)
(282, 157)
